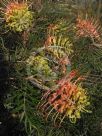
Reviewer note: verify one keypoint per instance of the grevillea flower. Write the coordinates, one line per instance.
(88, 28)
(58, 47)
(39, 66)
(68, 100)
(17, 15)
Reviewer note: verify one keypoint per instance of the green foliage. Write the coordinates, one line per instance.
(21, 102)
(87, 56)
(84, 55)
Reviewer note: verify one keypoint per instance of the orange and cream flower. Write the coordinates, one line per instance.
(17, 15)
(88, 28)
(68, 100)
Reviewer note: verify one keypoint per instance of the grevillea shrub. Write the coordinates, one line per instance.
(53, 52)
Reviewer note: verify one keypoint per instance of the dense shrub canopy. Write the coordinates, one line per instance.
(52, 50)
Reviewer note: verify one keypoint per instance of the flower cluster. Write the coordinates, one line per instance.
(68, 100)
(86, 28)
(39, 66)
(17, 16)
(58, 47)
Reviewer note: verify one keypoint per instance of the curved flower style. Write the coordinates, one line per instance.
(68, 100)
(17, 15)
(88, 28)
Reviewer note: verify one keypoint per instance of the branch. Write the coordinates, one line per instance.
(37, 84)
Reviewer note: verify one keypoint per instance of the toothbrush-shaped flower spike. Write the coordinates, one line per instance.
(68, 100)
(17, 15)
(88, 28)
